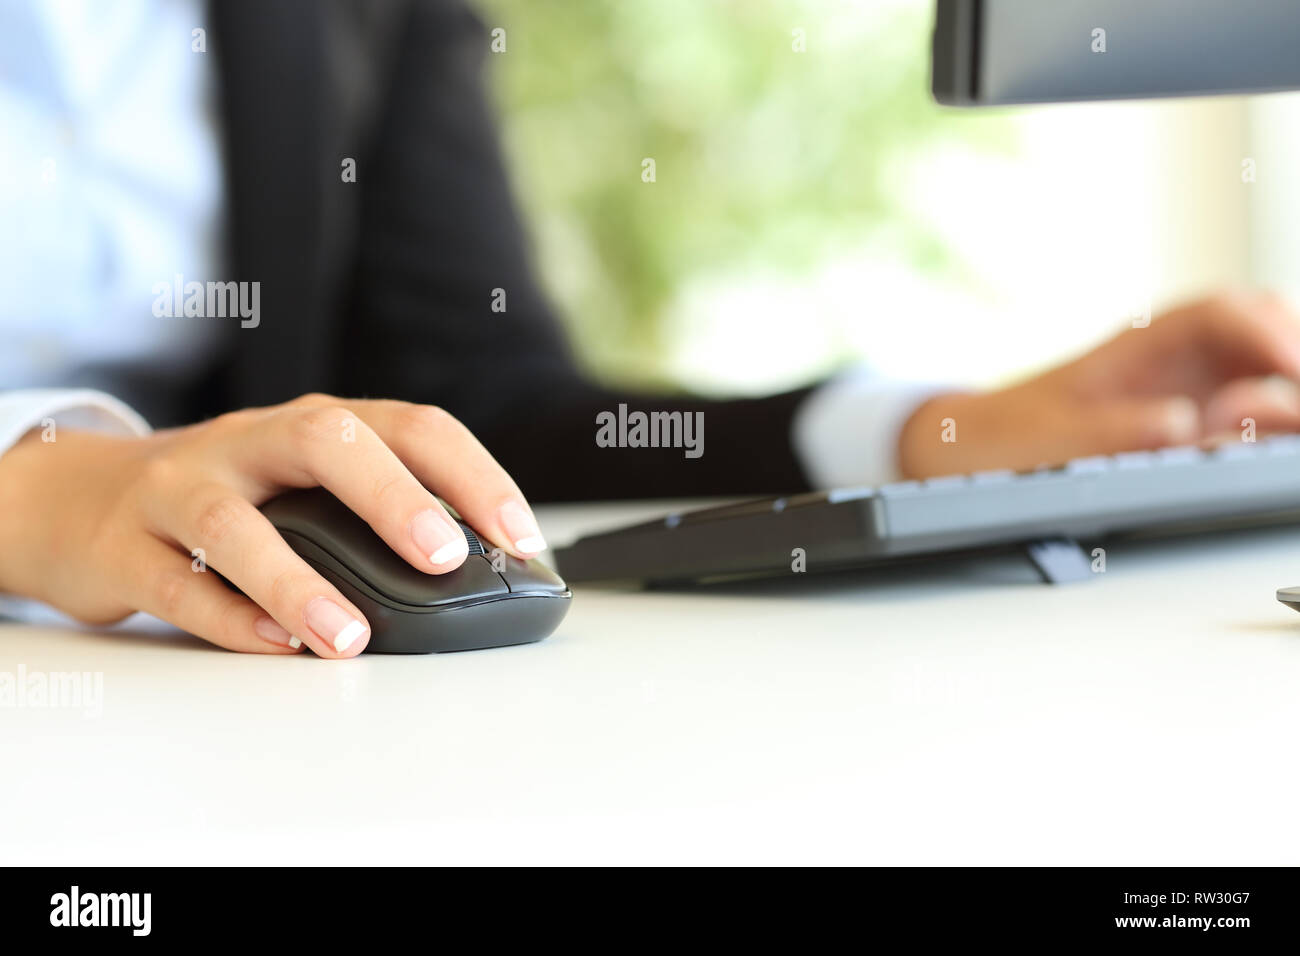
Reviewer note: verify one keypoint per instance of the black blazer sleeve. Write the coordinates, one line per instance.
(438, 233)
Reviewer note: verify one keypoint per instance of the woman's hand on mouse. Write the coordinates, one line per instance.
(100, 526)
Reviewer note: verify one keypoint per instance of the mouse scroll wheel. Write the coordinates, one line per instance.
(472, 539)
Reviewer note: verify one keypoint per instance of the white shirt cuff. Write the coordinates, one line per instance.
(846, 432)
(24, 409)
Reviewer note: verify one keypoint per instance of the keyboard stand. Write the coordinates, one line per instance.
(1059, 560)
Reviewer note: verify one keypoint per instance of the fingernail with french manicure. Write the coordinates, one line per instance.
(440, 539)
(333, 625)
(521, 527)
(271, 632)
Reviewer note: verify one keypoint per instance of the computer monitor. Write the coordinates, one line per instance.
(990, 52)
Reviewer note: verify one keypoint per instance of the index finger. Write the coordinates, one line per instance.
(1249, 333)
(451, 462)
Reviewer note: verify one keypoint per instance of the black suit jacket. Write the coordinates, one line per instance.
(383, 287)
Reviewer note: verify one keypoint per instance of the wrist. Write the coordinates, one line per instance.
(928, 431)
(48, 491)
(17, 541)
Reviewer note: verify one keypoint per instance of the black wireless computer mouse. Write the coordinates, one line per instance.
(493, 599)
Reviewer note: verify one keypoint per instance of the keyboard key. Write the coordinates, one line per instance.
(1129, 460)
(1181, 455)
(1089, 466)
(992, 477)
(1236, 451)
(1282, 445)
(946, 483)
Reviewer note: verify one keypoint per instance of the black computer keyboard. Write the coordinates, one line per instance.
(1086, 499)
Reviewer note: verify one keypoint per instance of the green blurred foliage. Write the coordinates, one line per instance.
(766, 157)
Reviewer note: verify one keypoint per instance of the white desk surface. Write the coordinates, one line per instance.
(964, 715)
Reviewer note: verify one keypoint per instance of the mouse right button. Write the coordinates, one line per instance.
(523, 577)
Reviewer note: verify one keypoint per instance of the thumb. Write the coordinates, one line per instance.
(1133, 424)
